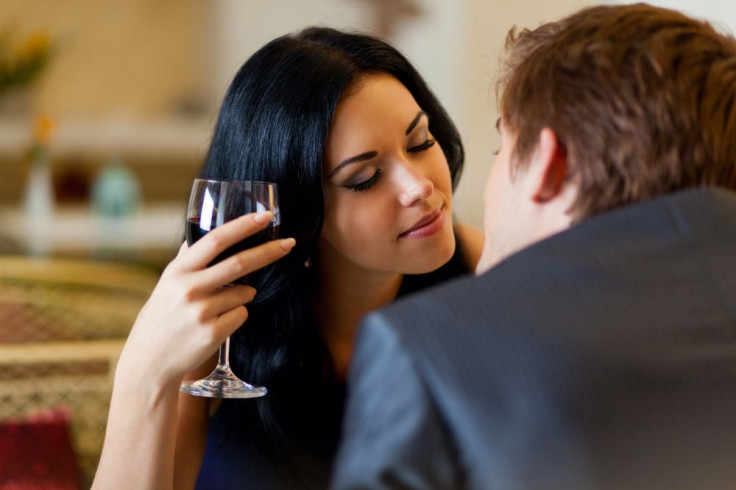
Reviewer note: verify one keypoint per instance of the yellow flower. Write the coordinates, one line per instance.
(23, 62)
(43, 129)
(38, 44)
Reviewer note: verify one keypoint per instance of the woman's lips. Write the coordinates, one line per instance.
(427, 226)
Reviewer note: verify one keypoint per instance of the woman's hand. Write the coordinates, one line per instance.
(189, 314)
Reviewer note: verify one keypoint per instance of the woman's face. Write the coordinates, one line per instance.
(388, 190)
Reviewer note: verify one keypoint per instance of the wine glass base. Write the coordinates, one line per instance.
(222, 384)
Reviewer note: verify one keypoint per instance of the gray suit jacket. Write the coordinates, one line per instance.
(601, 358)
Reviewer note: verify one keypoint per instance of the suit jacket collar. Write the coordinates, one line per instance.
(699, 214)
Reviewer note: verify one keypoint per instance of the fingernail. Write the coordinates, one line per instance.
(287, 244)
(263, 217)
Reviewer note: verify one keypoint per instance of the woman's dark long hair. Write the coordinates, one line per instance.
(273, 126)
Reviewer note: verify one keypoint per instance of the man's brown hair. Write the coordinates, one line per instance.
(643, 99)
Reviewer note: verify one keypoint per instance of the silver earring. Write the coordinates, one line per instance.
(308, 263)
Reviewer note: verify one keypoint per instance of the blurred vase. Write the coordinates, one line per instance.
(115, 191)
(39, 192)
(115, 199)
(38, 200)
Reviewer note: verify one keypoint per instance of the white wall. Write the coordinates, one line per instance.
(486, 27)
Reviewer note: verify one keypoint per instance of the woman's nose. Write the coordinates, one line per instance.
(415, 186)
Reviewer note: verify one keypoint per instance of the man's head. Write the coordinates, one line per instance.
(607, 107)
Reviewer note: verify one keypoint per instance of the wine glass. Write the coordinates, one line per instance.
(211, 204)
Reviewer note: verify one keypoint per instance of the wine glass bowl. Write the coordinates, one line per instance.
(213, 203)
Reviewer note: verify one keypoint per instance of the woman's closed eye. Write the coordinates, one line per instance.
(362, 185)
(423, 146)
(365, 184)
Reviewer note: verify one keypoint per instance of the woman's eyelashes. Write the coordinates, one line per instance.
(366, 184)
(423, 147)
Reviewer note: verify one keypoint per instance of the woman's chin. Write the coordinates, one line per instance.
(425, 262)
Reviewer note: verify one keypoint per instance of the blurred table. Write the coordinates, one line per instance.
(153, 234)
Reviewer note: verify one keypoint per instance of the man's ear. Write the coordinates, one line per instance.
(551, 167)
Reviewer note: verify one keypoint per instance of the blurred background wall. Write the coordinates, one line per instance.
(139, 58)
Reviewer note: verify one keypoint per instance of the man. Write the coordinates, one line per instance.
(596, 348)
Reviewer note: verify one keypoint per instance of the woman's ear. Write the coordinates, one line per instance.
(550, 167)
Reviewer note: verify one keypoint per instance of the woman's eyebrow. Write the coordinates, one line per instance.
(357, 158)
(415, 121)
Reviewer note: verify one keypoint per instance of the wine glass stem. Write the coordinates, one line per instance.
(223, 359)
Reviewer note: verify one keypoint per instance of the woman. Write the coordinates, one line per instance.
(365, 158)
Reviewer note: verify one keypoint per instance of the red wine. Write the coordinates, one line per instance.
(194, 232)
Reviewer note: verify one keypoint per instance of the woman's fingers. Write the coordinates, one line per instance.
(228, 322)
(226, 299)
(219, 239)
(243, 263)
